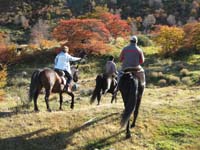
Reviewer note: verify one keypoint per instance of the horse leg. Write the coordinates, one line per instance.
(72, 102)
(61, 100)
(128, 133)
(98, 97)
(36, 94)
(139, 97)
(47, 94)
(114, 97)
(35, 100)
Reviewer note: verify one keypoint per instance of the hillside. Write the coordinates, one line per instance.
(165, 120)
(20, 16)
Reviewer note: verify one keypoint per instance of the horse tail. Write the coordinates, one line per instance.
(130, 104)
(97, 88)
(33, 84)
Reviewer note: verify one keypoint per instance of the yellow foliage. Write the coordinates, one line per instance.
(170, 39)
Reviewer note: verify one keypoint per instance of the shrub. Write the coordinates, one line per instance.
(186, 80)
(144, 40)
(3, 77)
(7, 49)
(192, 38)
(169, 38)
(184, 72)
(173, 80)
(156, 75)
(162, 82)
(90, 35)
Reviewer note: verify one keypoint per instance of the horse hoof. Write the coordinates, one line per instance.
(49, 110)
(128, 136)
(133, 125)
(36, 110)
(72, 107)
(60, 109)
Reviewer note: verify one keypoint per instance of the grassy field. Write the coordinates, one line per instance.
(168, 117)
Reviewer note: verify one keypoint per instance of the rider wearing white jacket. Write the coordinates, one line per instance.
(62, 62)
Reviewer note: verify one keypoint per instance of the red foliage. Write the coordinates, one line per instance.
(115, 24)
(90, 35)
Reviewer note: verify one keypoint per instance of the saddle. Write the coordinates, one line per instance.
(61, 74)
(133, 69)
(136, 72)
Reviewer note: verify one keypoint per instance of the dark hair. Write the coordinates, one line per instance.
(133, 41)
(111, 58)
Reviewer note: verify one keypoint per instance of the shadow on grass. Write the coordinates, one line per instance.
(105, 142)
(38, 140)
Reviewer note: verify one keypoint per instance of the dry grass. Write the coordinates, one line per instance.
(168, 119)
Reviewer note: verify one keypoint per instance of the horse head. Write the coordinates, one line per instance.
(75, 73)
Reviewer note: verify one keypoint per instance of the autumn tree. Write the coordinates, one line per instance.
(116, 26)
(90, 35)
(192, 38)
(169, 38)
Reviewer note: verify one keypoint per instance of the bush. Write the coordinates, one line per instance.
(170, 39)
(156, 75)
(184, 72)
(192, 38)
(173, 80)
(162, 82)
(3, 77)
(144, 40)
(186, 80)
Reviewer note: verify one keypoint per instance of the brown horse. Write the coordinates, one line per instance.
(52, 83)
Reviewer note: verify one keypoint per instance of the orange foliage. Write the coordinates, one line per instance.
(48, 43)
(7, 50)
(90, 35)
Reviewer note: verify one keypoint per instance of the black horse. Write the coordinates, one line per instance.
(131, 91)
(52, 83)
(100, 88)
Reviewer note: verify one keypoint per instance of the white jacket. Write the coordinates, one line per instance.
(62, 61)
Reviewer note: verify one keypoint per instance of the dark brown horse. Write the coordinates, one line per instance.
(52, 83)
(131, 91)
(100, 88)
